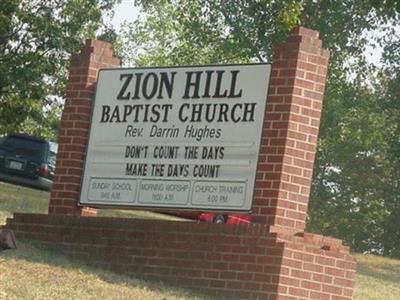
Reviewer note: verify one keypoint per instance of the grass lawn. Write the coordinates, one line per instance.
(378, 278)
(15, 198)
(31, 272)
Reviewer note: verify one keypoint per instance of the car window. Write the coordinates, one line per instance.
(53, 153)
(52, 158)
(24, 146)
(53, 147)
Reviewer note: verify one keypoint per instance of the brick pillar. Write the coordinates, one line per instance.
(290, 132)
(75, 123)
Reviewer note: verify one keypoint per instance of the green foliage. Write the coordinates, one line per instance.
(348, 198)
(355, 193)
(29, 116)
(199, 32)
(36, 39)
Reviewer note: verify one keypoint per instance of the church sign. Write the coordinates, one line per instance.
(180, 137)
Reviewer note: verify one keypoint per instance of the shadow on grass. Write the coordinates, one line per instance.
(385, 272)
(38, 253)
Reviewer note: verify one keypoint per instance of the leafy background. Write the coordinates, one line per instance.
(356, 183)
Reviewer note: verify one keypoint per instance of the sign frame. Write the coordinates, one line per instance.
(137, 206)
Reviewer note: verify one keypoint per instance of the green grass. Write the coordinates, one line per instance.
(15, 198)
(377, 278)
(33, 272)
(20, 199)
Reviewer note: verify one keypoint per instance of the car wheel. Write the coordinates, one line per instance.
(219, 219)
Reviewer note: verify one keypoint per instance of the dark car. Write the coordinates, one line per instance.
(27, 160)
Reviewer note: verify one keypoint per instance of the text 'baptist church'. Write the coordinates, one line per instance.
(180, 137)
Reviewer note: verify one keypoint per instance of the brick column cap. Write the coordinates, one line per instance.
(305, 32)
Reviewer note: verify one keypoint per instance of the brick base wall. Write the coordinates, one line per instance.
(253, 261)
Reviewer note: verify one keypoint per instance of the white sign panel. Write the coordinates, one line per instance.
(181, 137)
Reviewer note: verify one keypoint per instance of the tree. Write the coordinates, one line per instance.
(348, 198)
(36, 39)
(244, 29)
(187, 32)
(356, 179)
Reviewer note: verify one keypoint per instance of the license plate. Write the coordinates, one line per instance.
(16, 165)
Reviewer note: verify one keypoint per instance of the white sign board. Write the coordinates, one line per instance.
(181, 137)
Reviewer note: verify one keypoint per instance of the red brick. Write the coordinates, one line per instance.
(245, 276)
(310, 285)
(344, 282)
(225, 275)
(319, 296)
(340, 298)
(300, 274)
(304, 84)
(322, 278)
(346, 264)
(332, 289)
(335, 272)
(289, 281)
(326, 261)
(313, 268)
(83, 69)
(299, 292)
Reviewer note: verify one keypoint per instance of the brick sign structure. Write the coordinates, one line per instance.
(273, 258)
